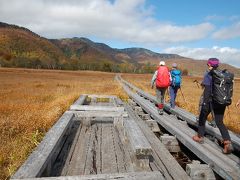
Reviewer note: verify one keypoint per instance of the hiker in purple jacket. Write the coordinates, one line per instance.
(218, 110)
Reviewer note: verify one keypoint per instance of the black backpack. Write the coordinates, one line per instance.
(222, 87)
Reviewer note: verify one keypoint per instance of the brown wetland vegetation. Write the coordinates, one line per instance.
(31, 101)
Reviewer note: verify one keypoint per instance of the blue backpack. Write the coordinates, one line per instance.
(176, 78)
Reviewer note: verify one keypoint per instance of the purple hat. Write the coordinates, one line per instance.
(174, 65)
(214, 62)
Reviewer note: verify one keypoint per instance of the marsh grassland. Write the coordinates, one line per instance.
(31, 101)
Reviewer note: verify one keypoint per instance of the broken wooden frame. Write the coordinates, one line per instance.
(79, 126)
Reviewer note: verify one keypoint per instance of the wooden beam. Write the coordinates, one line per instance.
(137, 139)
(46, 151)
(166, 162)
(96, 108)
(154, 175)
(220, 163)
(99, 114)
(80, 100)
(185, 115)
(101, 96)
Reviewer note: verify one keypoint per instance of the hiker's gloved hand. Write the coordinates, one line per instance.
(238, 103)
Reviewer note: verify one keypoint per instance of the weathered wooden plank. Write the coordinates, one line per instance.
(90, 164)
(62, 160)
(73, 148)
(125, 149)
(93, 101)
(95, 108)
(99, 148)
(154, 166)
(153, 125)
(80, 100)
(225, 170)
(77, 164)
(185, 115)
(109, 164)
(155, 175)
(170, 143)
(165, 161)
(145, 117)
(118, 121)
(198, 171)
(101, 96)
(119, 152)
(46, 151)
(99, 114)
(220, 163)
(192, 119)
(137, 139)
(140, 147)
(118, 101)
(184, 134)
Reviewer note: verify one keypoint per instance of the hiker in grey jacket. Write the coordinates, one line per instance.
(162, 74)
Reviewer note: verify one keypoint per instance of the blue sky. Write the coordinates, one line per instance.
(196, 29)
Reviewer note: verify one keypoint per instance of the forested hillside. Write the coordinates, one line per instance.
(19, 47)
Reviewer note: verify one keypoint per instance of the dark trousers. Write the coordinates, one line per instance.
(218, 110)
(160, 92)
(173, 94)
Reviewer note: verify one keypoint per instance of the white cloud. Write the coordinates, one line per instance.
(215, 18)
(125, 20)
(232, 31)
(225, 54)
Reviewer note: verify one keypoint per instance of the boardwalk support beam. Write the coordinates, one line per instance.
(199, 171)
(170, 143)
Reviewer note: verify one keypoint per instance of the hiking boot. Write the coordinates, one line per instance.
(198, 139)
(160, 111)
(227, 149)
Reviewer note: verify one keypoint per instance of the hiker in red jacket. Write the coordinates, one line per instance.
(162, 80)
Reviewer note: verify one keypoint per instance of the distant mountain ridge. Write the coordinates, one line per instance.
(20, 47)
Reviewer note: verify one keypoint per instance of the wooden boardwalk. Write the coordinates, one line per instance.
(101, 137)
(98, 138)
(226, 166)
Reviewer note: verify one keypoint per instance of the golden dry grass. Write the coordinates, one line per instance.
(32, 100)
(192, 93)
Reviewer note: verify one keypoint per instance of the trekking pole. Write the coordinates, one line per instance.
(197, 83)
(182, 95)
(168, 93)
(229, 114)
